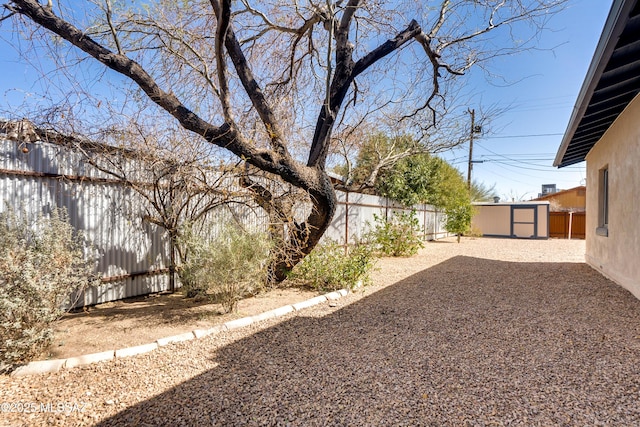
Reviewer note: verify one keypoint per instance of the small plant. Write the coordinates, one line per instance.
(398, 236)
(328, 267)
(42, 263)
(459, 219)
(229, 268)
(191, 245)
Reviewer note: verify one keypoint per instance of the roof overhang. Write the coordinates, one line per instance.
(612, 81)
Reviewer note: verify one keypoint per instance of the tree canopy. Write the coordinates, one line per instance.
(277, 83)
(409, 179)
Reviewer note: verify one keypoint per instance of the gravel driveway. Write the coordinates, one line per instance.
(487, 332)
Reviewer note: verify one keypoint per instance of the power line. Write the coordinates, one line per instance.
(550, 168)
(522, 136)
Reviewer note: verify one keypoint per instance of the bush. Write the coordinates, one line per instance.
(398, 236)
(191, 245)
(328, 268)
(227, 269)
(459, 219)
(41, 264)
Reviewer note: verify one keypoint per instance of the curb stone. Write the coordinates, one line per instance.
(139, 349)
(175, 338)
(309, 303)
(332, 296)
(39, 367)
(87, 359)
(46, 366)
(201, 333)
(238, 323)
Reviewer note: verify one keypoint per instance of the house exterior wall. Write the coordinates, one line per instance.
(616, 255)
(573, 199)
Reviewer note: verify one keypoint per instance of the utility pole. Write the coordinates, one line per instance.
(473, 128)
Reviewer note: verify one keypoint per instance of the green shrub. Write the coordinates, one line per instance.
(227, 269)
(191, 245)
(328, 268)
(41, 264)
(398, 236)
(459, 219)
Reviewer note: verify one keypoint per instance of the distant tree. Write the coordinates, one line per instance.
(408, 179)
(377, 156)
(419, 178)
(480, 192)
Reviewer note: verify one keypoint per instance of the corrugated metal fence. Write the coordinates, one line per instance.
(133, 255)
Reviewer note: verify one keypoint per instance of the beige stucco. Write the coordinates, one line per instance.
(573, 199)
(617, 255)
(494, 219)
(543, 221)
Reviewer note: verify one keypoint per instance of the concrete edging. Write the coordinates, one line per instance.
(55, 365)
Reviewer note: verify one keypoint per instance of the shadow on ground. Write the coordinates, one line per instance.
(468, 341)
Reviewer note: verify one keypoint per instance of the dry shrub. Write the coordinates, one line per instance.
(42, 265)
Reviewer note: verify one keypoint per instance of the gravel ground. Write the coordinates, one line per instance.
(486, 332)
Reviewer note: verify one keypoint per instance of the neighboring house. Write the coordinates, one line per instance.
(604, 130)
(571, 200)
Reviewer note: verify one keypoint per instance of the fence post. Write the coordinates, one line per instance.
(386, 209)
(346, 223)
(424, 222)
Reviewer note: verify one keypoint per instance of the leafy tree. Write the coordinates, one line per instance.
(419, 178)
(459, 219)
(271, 83)
(425, 179)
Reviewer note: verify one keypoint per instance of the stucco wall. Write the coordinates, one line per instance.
(572, 199)
(617, 255)
(543, 221)
(495, 219)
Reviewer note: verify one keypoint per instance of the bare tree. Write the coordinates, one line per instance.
(180, 187)
(176, 177)
(246, 77)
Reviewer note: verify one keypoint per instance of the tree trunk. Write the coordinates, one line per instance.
(302, 238)
(292, 240)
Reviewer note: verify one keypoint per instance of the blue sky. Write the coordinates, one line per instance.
(517, 157)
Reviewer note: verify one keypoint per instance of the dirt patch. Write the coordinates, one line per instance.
(142, 320)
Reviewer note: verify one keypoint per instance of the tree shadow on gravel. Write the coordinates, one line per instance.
(467, 342)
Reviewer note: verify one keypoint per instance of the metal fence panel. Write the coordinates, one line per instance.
(133, 254)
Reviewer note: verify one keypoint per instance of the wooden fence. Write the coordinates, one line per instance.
(567, 225)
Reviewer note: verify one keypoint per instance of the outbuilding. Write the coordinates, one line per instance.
(523, 220)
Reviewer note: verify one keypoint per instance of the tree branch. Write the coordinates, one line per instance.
(224, 20)
(346, 72)
(253, 90)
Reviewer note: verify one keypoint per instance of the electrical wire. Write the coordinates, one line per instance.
(522, 136)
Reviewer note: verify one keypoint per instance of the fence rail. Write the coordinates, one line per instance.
(133, 254)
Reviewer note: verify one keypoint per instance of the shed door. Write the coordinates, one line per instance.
(524, 222)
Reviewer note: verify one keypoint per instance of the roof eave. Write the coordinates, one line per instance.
(611, 32)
